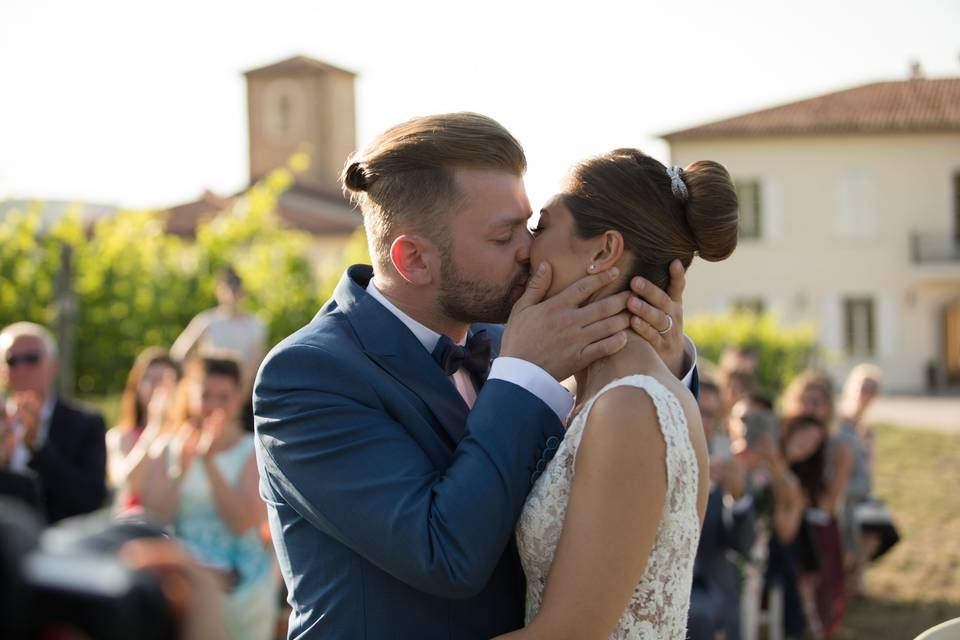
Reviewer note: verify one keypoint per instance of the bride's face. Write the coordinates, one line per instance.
(554, 241)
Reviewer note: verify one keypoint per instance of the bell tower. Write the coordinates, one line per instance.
(301, 104)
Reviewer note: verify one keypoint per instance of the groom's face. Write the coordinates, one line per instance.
(487, 261)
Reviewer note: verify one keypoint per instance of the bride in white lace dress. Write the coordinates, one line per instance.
(610, 529)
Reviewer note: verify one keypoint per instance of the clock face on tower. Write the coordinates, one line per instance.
(284, 108)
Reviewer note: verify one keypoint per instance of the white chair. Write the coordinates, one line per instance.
(753, 616)
(949, 630)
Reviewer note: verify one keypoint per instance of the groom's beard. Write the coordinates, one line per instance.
(472, 300)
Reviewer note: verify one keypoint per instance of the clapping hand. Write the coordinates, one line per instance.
(159, 406)
(28, 415)
(731, 474)
(183, 446)
(211, 434)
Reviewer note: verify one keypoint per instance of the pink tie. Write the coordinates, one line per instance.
(461, 379)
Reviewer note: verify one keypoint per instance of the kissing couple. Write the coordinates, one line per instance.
(426, 473)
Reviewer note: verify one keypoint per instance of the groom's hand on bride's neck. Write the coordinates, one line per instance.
(558, 334)
(650, 317)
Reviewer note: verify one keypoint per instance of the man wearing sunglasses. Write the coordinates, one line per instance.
(61, 443)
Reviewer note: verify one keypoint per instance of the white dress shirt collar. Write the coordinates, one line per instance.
(427, 336)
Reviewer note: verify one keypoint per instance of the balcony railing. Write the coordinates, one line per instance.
(934, 248)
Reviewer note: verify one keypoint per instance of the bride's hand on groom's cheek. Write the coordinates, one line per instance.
(558, 334)
(658, 316)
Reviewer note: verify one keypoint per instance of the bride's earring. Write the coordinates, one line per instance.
(591, 268)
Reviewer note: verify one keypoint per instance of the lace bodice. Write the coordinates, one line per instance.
(658, 607)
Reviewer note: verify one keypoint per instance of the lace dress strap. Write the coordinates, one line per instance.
(670, 418)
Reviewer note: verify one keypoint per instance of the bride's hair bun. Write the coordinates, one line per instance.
(711, 209)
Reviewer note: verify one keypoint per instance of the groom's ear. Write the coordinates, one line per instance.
(608, 251)
(415, 259)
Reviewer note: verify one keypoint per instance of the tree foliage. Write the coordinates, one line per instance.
(137, 285)
(782, 352)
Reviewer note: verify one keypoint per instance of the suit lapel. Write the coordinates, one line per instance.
(388, 342)
(55, 434)
(443, 399)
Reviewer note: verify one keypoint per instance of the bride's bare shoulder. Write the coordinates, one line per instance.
(621, 449)
(625, 416)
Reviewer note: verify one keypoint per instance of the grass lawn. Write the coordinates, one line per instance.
(917, 584)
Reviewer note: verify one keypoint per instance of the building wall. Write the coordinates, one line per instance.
(319, 113)
(327, 252)
(340, 124)
(837, 217)
(270, 144)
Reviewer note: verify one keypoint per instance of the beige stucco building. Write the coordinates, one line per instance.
(850, 220)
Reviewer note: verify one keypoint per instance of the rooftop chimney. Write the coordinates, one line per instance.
(916, 71)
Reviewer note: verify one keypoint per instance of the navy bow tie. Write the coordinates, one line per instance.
(473, 356)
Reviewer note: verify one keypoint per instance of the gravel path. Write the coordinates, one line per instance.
(921, 412)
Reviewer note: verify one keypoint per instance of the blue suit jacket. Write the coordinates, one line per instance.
(72, 465)
(392, 506)
(716, 581)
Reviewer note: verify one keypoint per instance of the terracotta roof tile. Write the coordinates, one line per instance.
(182, 219)
(918, 105)
(317, 212)
(298, 63)
(314, 211)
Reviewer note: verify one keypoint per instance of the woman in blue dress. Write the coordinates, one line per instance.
(203, 482)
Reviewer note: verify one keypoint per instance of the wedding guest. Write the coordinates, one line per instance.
(203, 480)
(769, 478)
(227, 327)
(859, 392)
(759, 401)
(728, 526)
(739, 358)
(817, 549)
(735, 386)
(778, 501)
(59, 441)
(24, 487)
(711, 412)
(146, 398)
(811, 393)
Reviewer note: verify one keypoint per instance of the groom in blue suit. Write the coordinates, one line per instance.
(394, 459)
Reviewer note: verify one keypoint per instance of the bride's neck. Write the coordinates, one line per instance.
(638, 357)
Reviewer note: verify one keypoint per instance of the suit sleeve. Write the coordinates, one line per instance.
(327, 447)
(76, 479)
(740, 525)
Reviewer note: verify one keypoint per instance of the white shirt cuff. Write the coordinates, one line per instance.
(535, 380)
(689, 355)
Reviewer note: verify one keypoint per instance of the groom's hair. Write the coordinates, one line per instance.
(404, 181)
